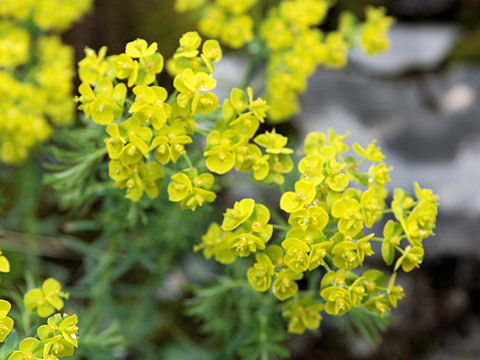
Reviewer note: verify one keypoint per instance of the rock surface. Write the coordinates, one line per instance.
(429, 128)
(414, 48)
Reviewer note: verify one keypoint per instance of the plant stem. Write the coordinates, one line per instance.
(281, 227)
(172, 97)
(189, 162)
(325, 265)
(277, 216)
(400, 249)
(254, 64)
(201, 132)
(29, 198)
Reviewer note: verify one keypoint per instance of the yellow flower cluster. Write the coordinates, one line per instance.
(6, 322)
(22, 124)
(295, 46)
(57, 338)
(327, 231)
(333, 203)
(228, 144)
(36, 71)
(148, 129)
(151, 130)
(56, 15)
(227, 20)
(46, 299)
(374, 37)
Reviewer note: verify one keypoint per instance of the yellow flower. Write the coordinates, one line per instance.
(237, 32)
(4, 263)
(216, 243)
(412, 258)
(296, 257)
(232, 218)
(338, 300)
(314, 218)
(374, 33)
(260, 274)
(139, 48)
(303, 195)
(6, 322)
(285, 285)
(243, 244)
(29, 349)
(46, 299)
(302, 314)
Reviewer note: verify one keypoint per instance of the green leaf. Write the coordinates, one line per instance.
(388, 252)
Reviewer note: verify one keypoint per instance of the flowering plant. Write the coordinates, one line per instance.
(146, 175)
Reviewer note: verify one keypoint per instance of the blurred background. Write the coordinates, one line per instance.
(421, 101)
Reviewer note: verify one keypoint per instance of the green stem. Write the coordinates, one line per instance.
(253, 66)
(330, 231)
(277, 216)
(29, 179)
(329, 259)
(27, 328)
(201, 132)
(312, 282)
(172, 97)
(281, 227)
(189, 162)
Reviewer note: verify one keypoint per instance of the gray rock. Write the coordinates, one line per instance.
(414, 48)
(229, 73)
(455, 180)
(372, 100)
(455, 90)
(429, 130)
